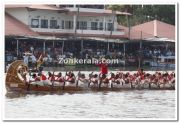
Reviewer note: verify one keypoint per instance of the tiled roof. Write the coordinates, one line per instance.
(35, 6)
(14, 27)
(150, 29)
(156, 28)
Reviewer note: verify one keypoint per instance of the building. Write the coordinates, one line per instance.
(81, 31)
(63, 21)
(69, 28)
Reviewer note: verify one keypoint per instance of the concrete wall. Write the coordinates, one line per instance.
(20, 14)
(25, 16)
(44, 14)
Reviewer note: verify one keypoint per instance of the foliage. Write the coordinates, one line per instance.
(144, 13)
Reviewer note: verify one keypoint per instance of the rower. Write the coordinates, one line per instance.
(60, 78)
(104, 79)
(94, 79)
(81, 77)
(51, 76)
(35, 78)
(112, 78)
(71, 78)
(126, 78)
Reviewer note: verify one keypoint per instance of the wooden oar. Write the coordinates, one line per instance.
(52, 81)
(90, 78)
(64, 81)
(78, 78)
(28, 85)
(100, 81)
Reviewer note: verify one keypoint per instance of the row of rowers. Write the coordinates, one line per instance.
(138, 77)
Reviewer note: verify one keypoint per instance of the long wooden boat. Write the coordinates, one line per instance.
(15, 82)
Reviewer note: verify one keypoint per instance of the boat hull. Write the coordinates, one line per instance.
(84, 87)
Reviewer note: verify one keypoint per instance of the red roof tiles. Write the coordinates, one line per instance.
(14, 27)
(150, 29)
(35, 6)
(155, 28)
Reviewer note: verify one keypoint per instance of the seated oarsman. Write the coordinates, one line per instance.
(142, 79)
(104, 79)
(39, 79)
(51, 77)
(156, 80)
(133, 78)
(71, 78)
(120, 77)
(126, 78)
(112, 78)
(94, 79)
(152, 79)
(34, 79)
(159, 77)
(60, 78)
(163, 79)
(115, 78)
(42, 76)
(82, 77)
(171, 78)
(146, 79)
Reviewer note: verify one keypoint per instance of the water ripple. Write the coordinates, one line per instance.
(125, 104)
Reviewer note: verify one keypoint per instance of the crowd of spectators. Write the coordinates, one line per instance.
(30, 53)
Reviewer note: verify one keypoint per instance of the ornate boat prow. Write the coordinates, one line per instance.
(14, 78)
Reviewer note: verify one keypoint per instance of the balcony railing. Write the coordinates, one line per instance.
(82, 30)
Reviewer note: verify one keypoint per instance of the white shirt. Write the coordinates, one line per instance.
(26, 59)
(32, 49)
(33, 58)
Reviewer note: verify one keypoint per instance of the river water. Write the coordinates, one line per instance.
(158, 104)
(122, 105)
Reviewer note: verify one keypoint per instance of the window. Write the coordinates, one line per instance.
(94, 25)
(62, 24)
(82, 25)
(68, 24)
(110, 26)
(34, 23)
(53, 24)
(44, 23)
(100, 25)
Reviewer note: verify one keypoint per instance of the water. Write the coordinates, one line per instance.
(104, 104)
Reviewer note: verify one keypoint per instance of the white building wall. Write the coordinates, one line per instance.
(25, 16)
(44, 14)
(49, 15)
(86, 9)
(20, 14)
